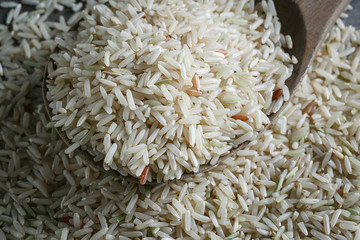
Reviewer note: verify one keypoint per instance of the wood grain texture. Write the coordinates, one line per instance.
(318, 18)
(307, 22)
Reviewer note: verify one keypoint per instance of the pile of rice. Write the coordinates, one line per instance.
(169, 85)
(299, 181)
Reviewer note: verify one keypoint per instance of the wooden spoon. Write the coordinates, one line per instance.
(306, 21)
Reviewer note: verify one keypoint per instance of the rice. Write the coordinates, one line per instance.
(175, 75)
(287, 184)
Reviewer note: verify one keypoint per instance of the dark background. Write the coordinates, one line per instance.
(354, 15)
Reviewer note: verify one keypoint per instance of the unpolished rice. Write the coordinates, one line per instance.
(197, 76)
(54, 195)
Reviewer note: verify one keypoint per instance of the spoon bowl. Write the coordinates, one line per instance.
(306, 21)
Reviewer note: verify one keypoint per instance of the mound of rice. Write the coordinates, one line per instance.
(299, 181)
(168, 85)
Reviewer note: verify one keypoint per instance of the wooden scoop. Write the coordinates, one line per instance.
(306, 21)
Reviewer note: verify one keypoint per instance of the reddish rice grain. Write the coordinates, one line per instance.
(65, 219)
(196, 83)
(193, 92)
(308, 108)
(144, 175)
(223, 51)
(260, 29)
(340, 191)
(241, 117)
(277, 93)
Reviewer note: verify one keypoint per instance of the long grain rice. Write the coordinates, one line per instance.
(288, 184)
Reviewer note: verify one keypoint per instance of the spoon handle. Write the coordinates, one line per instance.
(307, 22)
(318, 16)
